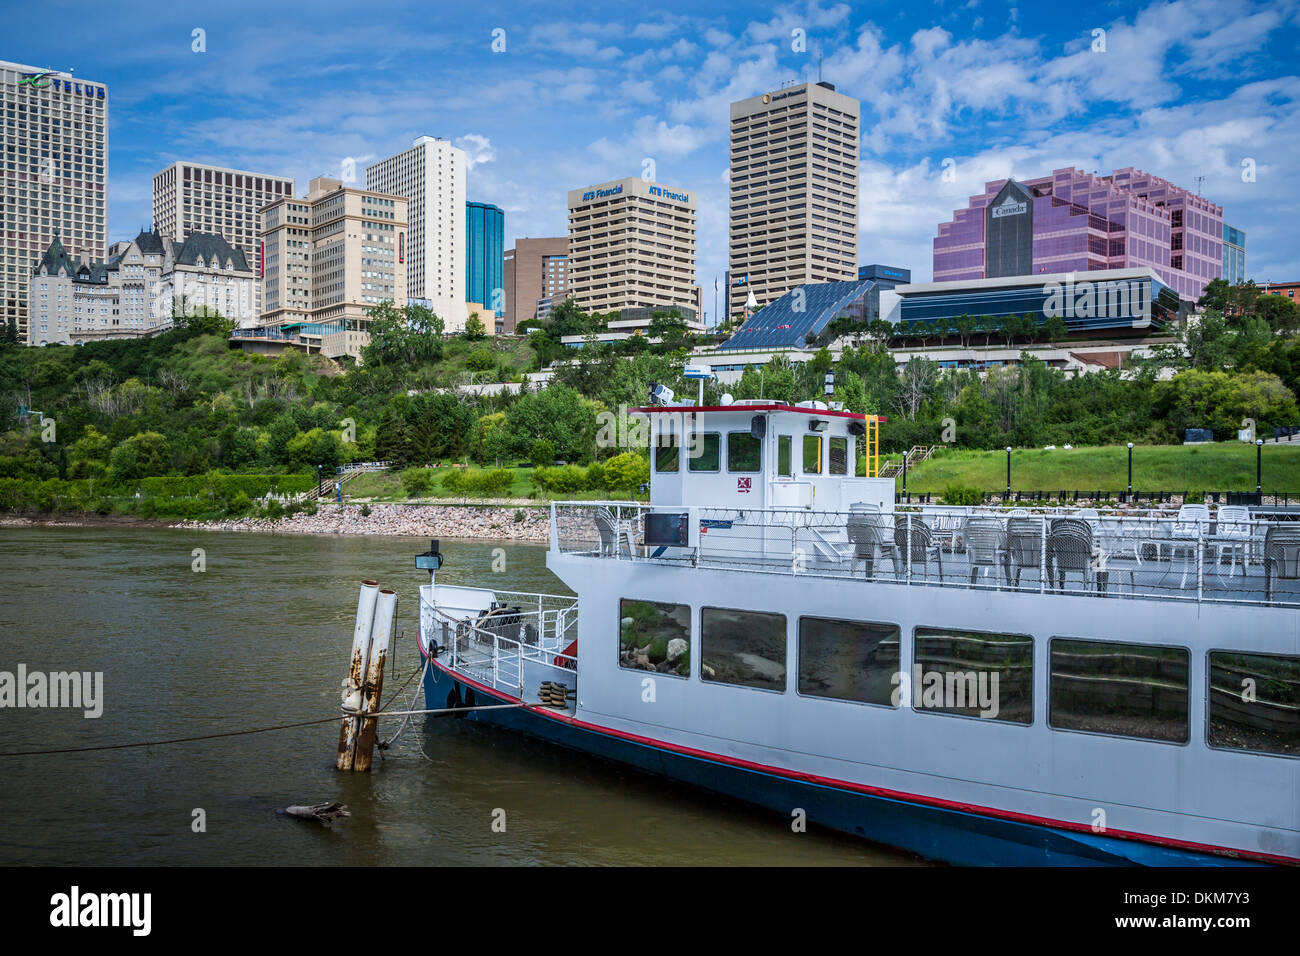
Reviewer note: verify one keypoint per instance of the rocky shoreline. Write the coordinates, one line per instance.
(429, 521)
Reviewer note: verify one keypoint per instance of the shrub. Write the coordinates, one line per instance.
(958, 494)
(543, 453)
(479, 483)
(239, 504)
(417, 482)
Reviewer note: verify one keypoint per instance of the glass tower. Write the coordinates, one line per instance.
(485, 231)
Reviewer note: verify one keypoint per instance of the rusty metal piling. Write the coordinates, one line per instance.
(380, 635)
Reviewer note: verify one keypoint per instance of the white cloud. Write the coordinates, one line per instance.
(478, 149)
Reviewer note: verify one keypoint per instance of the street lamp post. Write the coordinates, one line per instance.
(318, 482)
(905, 498)
(1130, 469)
(1008, 497)
(1259, 467)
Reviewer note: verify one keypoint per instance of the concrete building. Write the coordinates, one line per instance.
(534, 270)
(794, 192)
(631, 243)
(430, 176)
(330, 258)
(53, 176)
(198, 197)
(1072, 221)
(140, 289)
(485, 227)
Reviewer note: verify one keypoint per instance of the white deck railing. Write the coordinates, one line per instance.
(493, 646)
(1224, 556)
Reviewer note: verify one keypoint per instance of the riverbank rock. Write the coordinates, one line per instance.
(428, 521)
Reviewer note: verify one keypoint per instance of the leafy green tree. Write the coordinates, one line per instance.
(408, 337)
(475, 330)
(143, 455)
(965, 327)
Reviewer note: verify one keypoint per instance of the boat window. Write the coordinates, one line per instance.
(742, 647)
(744, 452)
(812, 454)
(848, 660)
(839, 456)
(1130, 690)
(667, 457)
(654, 637)
(784, 466)
(704, 453)
(974, 674)
(1255, 702)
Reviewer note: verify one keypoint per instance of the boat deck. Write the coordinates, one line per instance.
(1106, 555)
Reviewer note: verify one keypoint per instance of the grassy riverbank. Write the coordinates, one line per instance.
(1223, 466)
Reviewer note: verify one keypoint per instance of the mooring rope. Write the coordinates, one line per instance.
(261, 730)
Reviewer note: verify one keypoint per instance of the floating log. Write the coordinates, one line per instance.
(320, 813)
(380, 634)
(352, 695)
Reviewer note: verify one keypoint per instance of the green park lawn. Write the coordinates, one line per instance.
(1222, 466)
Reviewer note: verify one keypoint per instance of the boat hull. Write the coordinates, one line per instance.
(935, 833)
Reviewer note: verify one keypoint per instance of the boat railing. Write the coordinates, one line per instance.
(492, 640)
(1193, 554)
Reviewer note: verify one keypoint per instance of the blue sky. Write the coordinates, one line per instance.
(986, 89)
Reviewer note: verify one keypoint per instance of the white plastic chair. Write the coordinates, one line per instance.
(1187, 527)
(1234, 526)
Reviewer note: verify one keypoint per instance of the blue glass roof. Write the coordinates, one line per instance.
(779, 325)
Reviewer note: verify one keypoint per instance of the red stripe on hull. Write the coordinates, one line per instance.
(876, 791)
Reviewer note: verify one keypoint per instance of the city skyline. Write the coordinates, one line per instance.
(950, 101)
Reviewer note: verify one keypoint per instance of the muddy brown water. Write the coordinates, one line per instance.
(261, 637)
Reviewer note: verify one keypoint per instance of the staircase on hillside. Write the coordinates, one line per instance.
(325, 489)
(918, 454)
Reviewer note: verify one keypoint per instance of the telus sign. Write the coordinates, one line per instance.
(1113, 299)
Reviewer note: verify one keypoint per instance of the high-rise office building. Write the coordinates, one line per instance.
(535, 269)
(332, 257)
(485, 231)
(631, 244)
(1234, 255)
(430, 176)
(794, 192)
(198, 197)
(53, 176)
(1072, 221)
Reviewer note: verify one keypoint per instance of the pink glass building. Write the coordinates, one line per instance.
(1073, 221)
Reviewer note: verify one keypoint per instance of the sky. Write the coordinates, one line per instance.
(546, 98)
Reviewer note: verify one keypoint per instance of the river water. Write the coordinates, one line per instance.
(260, 636)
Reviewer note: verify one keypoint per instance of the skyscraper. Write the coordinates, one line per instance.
(534, 269)
(1234, 255)
(431, 177)
(631, 243)
(198, 197)
(53, 176)
(332, 257)
(794, 191)
(1072, 221)
(485, 226)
